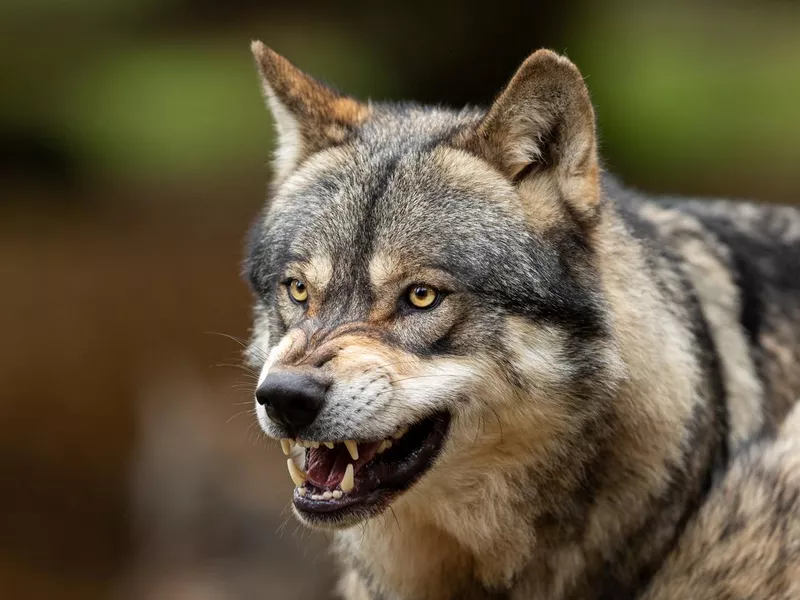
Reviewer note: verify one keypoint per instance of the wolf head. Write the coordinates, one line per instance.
(428, 308)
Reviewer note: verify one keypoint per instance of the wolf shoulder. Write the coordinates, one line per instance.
(739, 262)
(745, 540)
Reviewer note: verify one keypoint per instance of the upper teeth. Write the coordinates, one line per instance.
(287, 445)
(295, 473)
(352, 448)
(351, 445)
(348, 481)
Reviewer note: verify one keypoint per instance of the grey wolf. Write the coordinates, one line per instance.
(496, 371)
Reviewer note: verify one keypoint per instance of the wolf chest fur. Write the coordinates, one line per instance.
(496, 372)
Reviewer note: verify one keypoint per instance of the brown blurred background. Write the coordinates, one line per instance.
(133, 153)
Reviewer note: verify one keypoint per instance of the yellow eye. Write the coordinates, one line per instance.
(298, 291)
(423, 296)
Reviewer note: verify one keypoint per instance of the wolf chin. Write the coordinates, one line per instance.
(496, 372)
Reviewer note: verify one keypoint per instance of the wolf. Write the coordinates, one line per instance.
(497, 372)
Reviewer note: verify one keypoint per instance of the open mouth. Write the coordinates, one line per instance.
(347, 481)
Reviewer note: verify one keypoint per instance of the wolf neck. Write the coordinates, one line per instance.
(588, 519)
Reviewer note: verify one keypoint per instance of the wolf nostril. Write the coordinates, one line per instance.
(262, 398)
(291, 399)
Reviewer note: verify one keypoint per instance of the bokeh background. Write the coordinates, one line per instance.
(134, 153)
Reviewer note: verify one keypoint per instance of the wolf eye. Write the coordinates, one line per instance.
(423, 296)
(298, 291)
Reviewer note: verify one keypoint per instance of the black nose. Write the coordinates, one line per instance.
(291, 399)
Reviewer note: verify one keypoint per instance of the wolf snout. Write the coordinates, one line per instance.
(292, 399)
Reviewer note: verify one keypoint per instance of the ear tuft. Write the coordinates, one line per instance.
(309, 116)
(543, 123)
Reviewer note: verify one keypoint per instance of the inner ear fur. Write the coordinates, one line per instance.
(309, 116)
(542, 125)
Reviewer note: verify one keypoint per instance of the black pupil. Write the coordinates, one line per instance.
(421, 292)
(299, 286)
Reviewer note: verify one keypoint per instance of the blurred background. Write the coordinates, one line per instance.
(133, 156)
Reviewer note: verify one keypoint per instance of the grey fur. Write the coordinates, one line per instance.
(602, 354)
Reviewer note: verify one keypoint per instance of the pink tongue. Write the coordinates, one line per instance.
(325, 467)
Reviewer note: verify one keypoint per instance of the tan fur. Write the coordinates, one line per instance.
(710, 272)
(541, 202)
(745, 541)
(782, 368)
(540, 195)
(464, 171)
(319, 272)
(546, 90)
(382, 269)
(478, 467)
(653, 412)
(309, 116)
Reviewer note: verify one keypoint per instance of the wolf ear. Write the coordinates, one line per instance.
(309, 116)
(543, 123)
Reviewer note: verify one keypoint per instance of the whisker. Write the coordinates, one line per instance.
(239, 414)
(239, 365)
(242, 342)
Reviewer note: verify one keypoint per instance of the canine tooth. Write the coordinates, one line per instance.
(295, 473)
(347, 481)
(337, 494)
(298, 457)
(329, 445)
(301, 491)
(286, 446)
(327, 495)
(400, 433)
(352, 448)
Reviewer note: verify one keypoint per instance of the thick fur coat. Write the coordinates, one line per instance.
(611, 368)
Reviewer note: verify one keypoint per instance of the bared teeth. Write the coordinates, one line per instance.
(326, 495)
(308, 444)
(400, 433)
(295, 473)
(385, 445)
(352, 448)
(286, 446)
(348, 480)
(329, 445)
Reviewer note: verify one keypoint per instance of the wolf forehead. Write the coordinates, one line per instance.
(419, 202)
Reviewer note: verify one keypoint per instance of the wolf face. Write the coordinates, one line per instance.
(428, 305)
